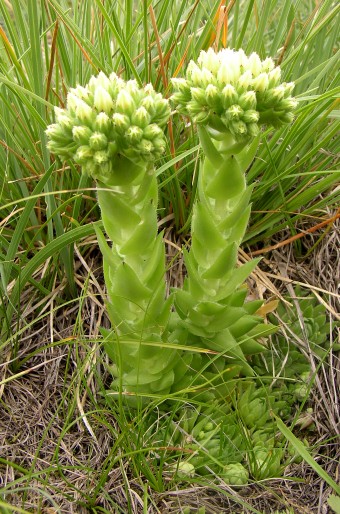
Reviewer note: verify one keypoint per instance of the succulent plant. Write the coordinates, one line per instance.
(235, 474)
(285, 362)
(114, 130)
(229, 96)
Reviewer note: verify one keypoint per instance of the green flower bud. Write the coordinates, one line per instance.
(238, 128)
(152, 131)
(289, 104)
(56, 132)
(184, 469)
(229, 96)
(141, 117)
(198, 94)
(133, 135)
(253, 129)
(212, 96)
(202, 117)
(145, 147)
(100, 157)
(83, 154)
(162, 112)
(235, 474)
(102, 123)
(286, 118)
(234, 113)
(102, 100)
(121, 122)
(159, 145)
(250, 116)
(81, 134)
(63, 119)
(248, 100)
(98, 141)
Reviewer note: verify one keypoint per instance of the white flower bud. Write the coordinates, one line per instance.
(212, 95)
(80, 92)
(268, 65)
(102, 100)
(245, 80)
(103, 80)
(225, 74)
(278, 92)
(149, 90)
(289, 87)
(274, 77)
(180, 84)
(125, 103)
(209, 60)
(132, 88)
(255, 64)
(84, 112)
(65, 121)
(260, 83)
(55, 132)
(149, 104)
(72, 101)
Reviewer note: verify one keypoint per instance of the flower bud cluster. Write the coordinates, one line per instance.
(106, 118)
(234, 93)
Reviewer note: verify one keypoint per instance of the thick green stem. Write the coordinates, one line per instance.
(134, 271)
(212, 303)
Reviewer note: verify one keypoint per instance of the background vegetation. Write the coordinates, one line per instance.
(63, 447)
